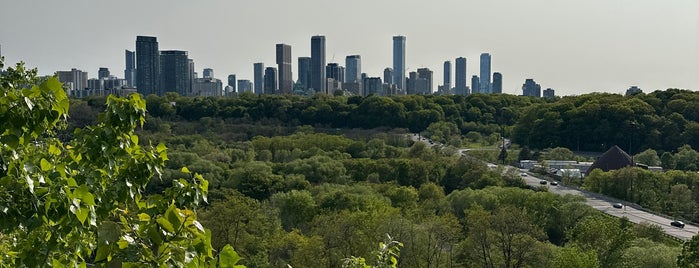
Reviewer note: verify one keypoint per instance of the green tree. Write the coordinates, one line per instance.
(690, 254)
(574, 257)
(81, 203)
(648, 157)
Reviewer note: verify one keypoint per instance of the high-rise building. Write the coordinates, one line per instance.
(207, 87)
(130, 70)
(208, 73)
(335, 71)
(259, 77)
(192, 74)
(549, 93)
(631, 91)
(286, 81)
(475, 85)
(244, 86)
(75, 80)
(388, 76)
(102, 73)
(319, 81)
(175, 72)
(461, 76)
(147, 65)
(271, 80)
(531, 88)
(399, 62)
(232, 81)
(497, 83)
(447, 75)
(305, 72)
(484, 81)
(424, 74)
(353, 71)
(373, 85)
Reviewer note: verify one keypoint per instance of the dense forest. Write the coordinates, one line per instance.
(321, 181)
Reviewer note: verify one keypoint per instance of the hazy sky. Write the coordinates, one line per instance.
(574, 47)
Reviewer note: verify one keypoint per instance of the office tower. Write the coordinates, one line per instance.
(631, 91)
(102, 73)
(373, 85)
(147, 65)
(484, 81)
(208, 73)
(549, 93)
(388, 76)
(175, 74)
(286, 81)
(475, 85)
(74, 79)
(207, 87)
(461, 76)
(424, 82)
(244, 86)
(271, 82)
(259, 79)
(399, 62)
(335, 71)
(497, 83)
(192, 74)
(305, 72)
(447, 75)
(232, 81)
(318, 78)
(130, 70)
(531, 88)
(353, 71)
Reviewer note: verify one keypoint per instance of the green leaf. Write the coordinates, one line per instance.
(173, 216)
(45, 165)
(143, 217)
(160, 148)
(165, 224)
(54, 150)
(229, 258)
(108, 232)
(102, 253)
(185, 170)
(83, 193)
(81, 213)
(10, 140)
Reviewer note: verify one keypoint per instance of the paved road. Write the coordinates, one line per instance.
(600, 202)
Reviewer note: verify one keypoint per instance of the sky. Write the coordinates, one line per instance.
(574, 47)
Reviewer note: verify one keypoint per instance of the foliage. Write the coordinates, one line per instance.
(386, 256)
(82, 202)
(690, 253)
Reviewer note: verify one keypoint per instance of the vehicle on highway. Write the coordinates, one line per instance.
(618, 205)
(554, 183)
(543, 182)
(523, 174)
(677, 224)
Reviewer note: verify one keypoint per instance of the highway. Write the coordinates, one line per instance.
(600, 202)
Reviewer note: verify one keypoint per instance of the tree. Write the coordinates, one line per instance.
(648, 157)
(81, 203)
(690, 254)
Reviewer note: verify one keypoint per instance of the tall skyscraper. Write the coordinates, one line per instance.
(174, 72)
(232, 81)
(399, 62)
(497, 83)
(353, 71)
(475, 85)
(286, 81)
(305, 72)
(531, 88)
(103, 73)
(318, 78)
(271, 82)
(130, 70)
(335, 71)
(447, 75)
(424, 74)
(208, 73)
(244, 86)
(388, 76)
(461, 76)
(259, 77)
(147, 65)
(192, 74)
(485, 74)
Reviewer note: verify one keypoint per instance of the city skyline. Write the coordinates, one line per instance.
(574, 48)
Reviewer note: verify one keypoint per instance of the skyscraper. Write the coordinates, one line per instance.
(130, 70)
(335, 71)
(318, 79)
(353, 71)
(103, 73)
(475, 85)
(388, 76)
(232, 81)
(147, 65)
(244, 86)
(208, 73)
(271, 82)
(549, 93)
(286, 81)
(424, 74)
(447, 75)
(485, 74)
(531, 88)
(305, 72)
(174, 72)
(399, 62)
(497, 83)
(461, 76)
(259, 76)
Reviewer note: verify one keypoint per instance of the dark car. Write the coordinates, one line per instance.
(543, 182)
(554, 183)
(618, 205)
(677, 224)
